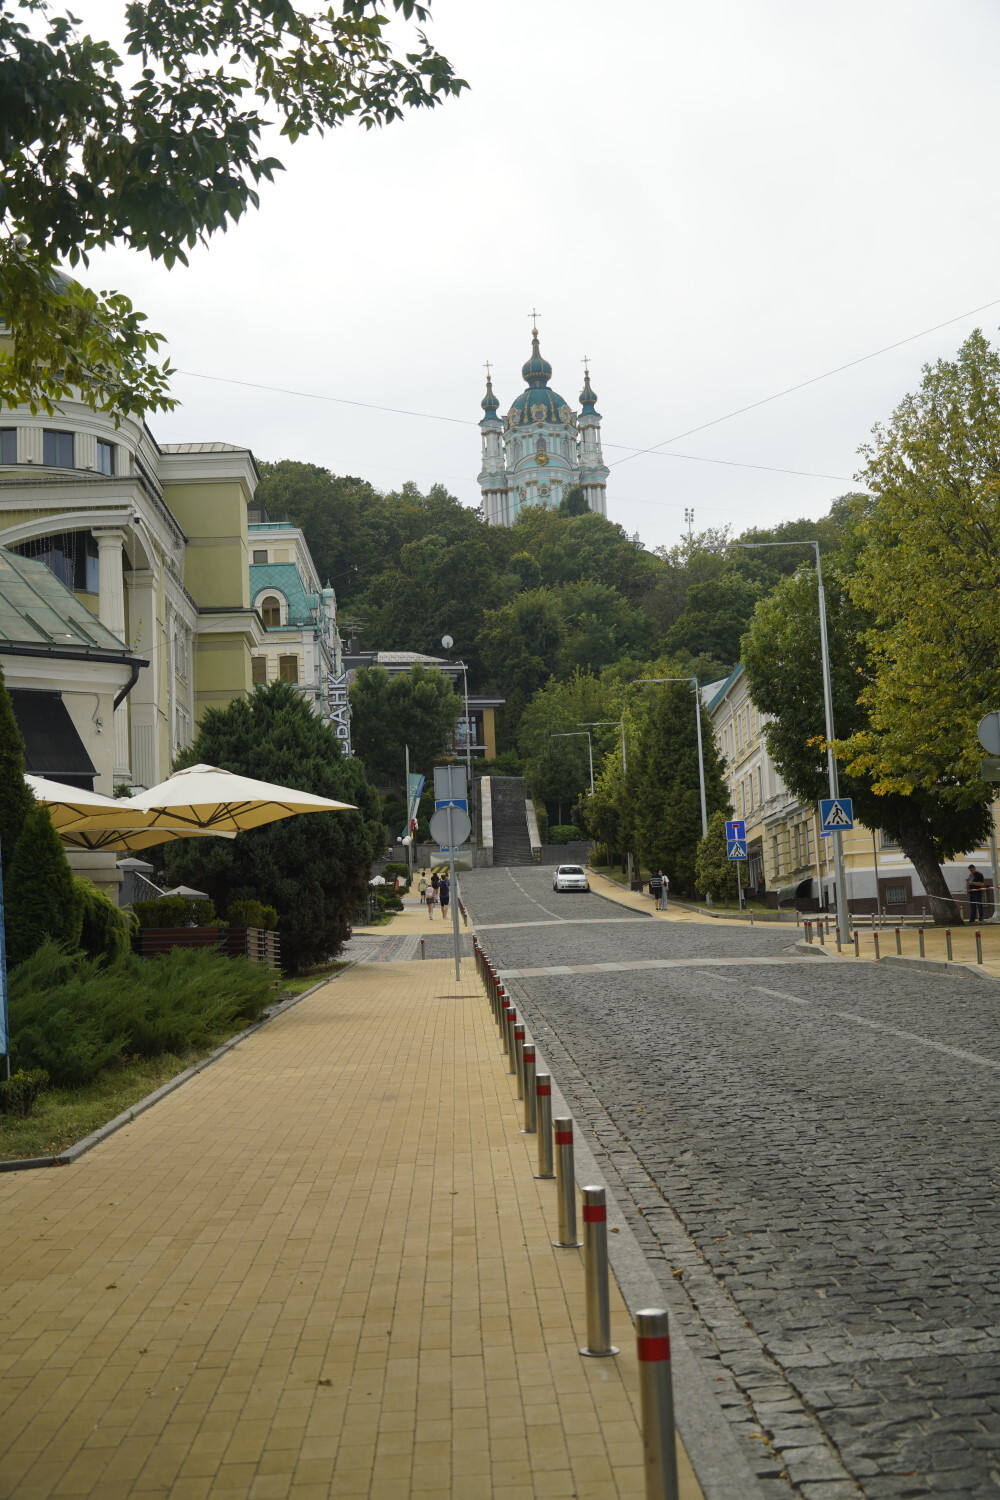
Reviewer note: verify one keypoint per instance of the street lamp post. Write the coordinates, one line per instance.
(701, 756)
(840, 884)
(594, 724)
(572, 734)
(447, 642)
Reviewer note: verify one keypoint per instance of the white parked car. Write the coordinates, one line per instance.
(570, 878)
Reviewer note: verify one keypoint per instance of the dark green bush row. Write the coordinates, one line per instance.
(564, 833)
(251, 914)
(175, 911)
(73, 1016)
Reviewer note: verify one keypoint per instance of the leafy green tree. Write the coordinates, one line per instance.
(162, 153)
(16, 800)
(714, 871)
(334, 511)
(418, 708)
(781, 655)
(927, 579)
(313, 869)
(599, 626)
(574, 502)
(663, 783)
(716, 613)
(520, 646)
(42, 900)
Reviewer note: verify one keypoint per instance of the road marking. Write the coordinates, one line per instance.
(646, 963)
(545, 909)
(907, 1036)
(562, 922)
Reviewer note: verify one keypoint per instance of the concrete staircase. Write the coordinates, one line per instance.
(511, 843)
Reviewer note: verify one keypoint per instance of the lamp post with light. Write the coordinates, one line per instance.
(840, 883)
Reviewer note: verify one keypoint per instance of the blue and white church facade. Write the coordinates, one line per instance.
(541, 448)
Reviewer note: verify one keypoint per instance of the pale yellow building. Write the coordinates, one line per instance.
(788, 859)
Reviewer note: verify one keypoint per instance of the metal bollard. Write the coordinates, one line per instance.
(920, 935)
(809, 931)
(543, 1120)
(506, 1006)
(511, 1044)
(595, 1273)
(979, 947)
(857, 944)
(899, 941)
(565, 1185)
(947, 942)
(822, 934)
(422, 953)
(652, 1328)
(519, 1057)
(751, 918)
(528, 1076)
(837, 931)
(878, 956)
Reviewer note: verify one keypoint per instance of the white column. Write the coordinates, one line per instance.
(111, 613)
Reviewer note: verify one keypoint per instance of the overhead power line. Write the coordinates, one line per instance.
(886, 349)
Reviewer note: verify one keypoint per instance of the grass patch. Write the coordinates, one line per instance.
(305, 981)
(64, 1116)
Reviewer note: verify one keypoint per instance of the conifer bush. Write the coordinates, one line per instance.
(42, 901)
(106, 933)
(74, 1016)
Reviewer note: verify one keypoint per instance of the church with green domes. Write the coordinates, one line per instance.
(541, 447)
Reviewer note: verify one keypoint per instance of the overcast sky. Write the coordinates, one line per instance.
(714, 200)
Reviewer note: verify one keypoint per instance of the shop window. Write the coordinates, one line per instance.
(57, 449)
(288, 668)
(8, 445)
(270, 612)
(258, 668)
(106, 457)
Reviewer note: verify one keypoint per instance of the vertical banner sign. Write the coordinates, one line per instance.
(414, 792)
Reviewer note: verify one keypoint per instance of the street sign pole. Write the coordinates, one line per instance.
(739, 885)
(840, 884)
(454, 892)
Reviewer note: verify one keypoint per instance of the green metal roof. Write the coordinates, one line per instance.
(37, 610)
(286, 580)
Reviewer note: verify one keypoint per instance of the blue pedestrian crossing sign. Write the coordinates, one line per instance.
(736, 828)
(836, 814)
(736, 848)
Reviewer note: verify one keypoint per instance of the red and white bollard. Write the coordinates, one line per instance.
(543, 1120)
(528, 1075)
(595, 1272)
(565, 1185)
(652, 1327)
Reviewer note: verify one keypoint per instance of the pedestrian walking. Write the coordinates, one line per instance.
(656, 886)
(976, 886)
(664, 891)
(444, 895)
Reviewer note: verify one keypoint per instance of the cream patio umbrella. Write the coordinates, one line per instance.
(87, 820)
(216, 801)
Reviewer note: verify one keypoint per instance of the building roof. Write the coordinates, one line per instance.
(203, 448)
(36, 609)
(286, 580)
(714, 692)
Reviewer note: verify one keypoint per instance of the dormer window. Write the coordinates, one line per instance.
(57, 449)
(270, 611)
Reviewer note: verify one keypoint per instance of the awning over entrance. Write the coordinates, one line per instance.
(801, 890)
(52, 746)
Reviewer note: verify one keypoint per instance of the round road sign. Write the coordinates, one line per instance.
(989, 732)
(461, 827)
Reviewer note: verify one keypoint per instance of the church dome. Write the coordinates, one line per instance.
(536, 370)
(539, 404)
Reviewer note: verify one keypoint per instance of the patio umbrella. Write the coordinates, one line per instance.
(86, 820)
(217, 801)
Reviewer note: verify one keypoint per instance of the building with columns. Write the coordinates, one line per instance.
(541, 448)
(153, 539)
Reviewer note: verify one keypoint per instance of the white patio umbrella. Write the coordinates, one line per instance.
(217, 801)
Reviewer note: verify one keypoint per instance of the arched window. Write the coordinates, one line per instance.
(540, 446)
(270, 611)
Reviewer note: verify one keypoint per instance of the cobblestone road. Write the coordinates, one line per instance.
(808, 1152)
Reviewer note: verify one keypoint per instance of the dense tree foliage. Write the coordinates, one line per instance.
(161, 152)
(714, 872)
(42, 900)
(418, 708)
(16, 800)
(313, 869)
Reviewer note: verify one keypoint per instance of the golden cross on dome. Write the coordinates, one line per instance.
(488, 367)
(585, 361)
(534, 316)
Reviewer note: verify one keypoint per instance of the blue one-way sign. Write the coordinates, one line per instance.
(736, 849)
(736, 828)
(836, 814)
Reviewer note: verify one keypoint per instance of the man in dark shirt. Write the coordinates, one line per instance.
(976, 885)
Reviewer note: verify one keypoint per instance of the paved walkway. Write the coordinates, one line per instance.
(322, 1268)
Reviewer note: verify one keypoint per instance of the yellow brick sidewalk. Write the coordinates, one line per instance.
(319, 1269)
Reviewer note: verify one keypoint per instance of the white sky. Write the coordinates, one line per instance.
(714, 200)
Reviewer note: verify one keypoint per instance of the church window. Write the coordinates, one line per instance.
(540, 446)
(270, 611)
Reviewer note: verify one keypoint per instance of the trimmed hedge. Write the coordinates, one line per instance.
(175, 911)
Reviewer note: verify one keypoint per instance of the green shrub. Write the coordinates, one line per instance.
(175, 911)
(394, 868)
(42, 900)
(107, 929)
(74, 1017)
(542, 819)
(388, 901)
(251, 914)
(19, 1092)
(564, 833)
